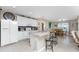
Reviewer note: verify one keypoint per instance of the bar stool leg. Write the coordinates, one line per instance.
(46, 45)
(52, 46)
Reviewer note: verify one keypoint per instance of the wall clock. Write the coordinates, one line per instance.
(9, 15)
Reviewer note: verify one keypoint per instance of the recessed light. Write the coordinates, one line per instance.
(60, 19)
(14, 6)
(30, 12)
(63, 19)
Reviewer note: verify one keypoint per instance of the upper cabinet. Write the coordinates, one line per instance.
(20, 21)
(32, 22)
(23, 21)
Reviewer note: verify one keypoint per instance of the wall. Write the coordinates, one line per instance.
(0, 28)
(78, 23)
(40, 25)
(73, 25)
(52, 25)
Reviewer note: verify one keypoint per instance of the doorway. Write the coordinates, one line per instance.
(42, 26)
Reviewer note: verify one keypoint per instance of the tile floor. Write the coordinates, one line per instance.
(65, 44)
(21, 46)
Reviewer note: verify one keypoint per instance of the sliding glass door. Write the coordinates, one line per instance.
(64, 26)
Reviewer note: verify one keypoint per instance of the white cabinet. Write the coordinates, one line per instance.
(5, 36)
(26, 34)
(5, 24)
(20, 35)
(20, 20)
(23, 21)
(34, 23)
(23, 35)
(31, 22)
(13, 31)
(9, 32)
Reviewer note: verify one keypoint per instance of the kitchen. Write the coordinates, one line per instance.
(21, 28)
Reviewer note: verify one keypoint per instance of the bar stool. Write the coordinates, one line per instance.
(49, 45)
(51, 40)
(54, 38)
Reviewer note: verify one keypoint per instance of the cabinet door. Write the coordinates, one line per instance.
(5, 23)
(28, 22)
(26, 34)
(13, 31)
(23, 21)
(20, 35)
(5, 35)
(32, 22)
(19, 19)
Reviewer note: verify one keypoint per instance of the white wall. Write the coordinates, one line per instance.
(73, 25)
(40, 25)
(78, 23)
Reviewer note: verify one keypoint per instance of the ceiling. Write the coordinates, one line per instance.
(46, 12)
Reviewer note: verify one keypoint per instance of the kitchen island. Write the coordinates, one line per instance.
(37, 41)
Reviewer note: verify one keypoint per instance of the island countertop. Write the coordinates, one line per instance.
(40, 34)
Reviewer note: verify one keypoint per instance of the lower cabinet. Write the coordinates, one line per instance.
(5, 36)
(23, 35)
(8, 32)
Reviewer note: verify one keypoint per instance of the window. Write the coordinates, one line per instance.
(50, 24)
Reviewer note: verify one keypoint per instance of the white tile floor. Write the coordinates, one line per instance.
(65, 44)
(21, 46)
